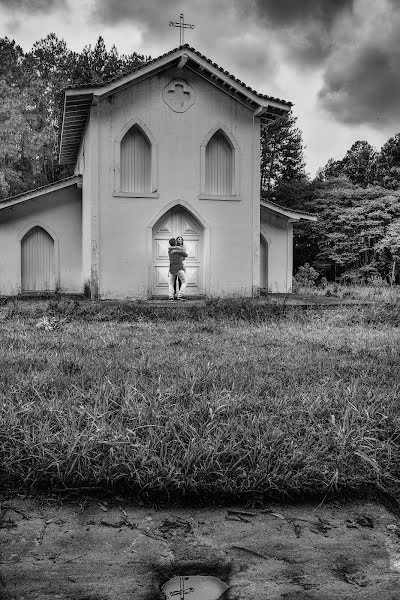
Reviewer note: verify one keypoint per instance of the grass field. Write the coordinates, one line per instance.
(233, 400)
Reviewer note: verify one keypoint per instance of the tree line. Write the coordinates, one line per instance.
(356, 199)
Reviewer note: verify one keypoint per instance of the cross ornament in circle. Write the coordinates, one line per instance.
(182, 26)
(180, 94)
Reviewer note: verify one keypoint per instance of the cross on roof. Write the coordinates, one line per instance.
(182, 26)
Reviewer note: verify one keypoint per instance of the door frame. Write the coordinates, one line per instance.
(56, 257)
(263, 240)
(206, 258)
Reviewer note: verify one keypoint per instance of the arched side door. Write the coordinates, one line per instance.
(175, 222)
(263, 262)
(37, 261)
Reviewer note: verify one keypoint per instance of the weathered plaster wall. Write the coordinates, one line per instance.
(230, 255)
(278, 233)
(60, 213)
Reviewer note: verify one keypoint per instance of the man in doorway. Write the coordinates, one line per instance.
(176, 269)
(179, 244)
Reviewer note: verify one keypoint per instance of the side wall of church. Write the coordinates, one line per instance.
(278, 233)
(231, 227)
(59, 214)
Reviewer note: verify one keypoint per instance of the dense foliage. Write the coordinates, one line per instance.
(356, 200)
(364, 166)
(31, 104)
(355, 236)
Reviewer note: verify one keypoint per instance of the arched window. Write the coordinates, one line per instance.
(37, 261)
(219, 166)
(135, 161)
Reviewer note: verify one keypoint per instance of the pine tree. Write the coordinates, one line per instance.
(282, 157)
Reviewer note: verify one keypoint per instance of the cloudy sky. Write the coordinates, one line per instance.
(336, 60)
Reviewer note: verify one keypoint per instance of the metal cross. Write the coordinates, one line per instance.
(182, 26)
(182, 591)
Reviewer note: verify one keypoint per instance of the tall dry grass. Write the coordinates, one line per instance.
(238, 403)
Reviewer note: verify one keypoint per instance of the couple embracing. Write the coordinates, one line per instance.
(176, 253)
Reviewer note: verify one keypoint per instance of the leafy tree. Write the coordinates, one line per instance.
(31, 104)
(389, 249)
(352, 222)
(332, 169)
(387, 165)
(359, 162)
(363, 165)
(11, 56)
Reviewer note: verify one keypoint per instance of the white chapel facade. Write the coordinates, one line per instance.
(172, 148)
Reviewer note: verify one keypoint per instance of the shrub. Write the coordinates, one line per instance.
(306, 275)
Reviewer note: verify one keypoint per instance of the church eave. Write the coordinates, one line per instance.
(40, 191)
(75, 116)
(292, 215)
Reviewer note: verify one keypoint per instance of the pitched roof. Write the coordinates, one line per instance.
(155, 60)
(40, 191)
(78, 99)
(295, 215)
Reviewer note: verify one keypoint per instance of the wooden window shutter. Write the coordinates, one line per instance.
(135, 162)
(219, 166)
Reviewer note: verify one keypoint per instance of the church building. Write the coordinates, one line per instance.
(170, 149)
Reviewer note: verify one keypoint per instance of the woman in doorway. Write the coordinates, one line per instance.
(178, 282)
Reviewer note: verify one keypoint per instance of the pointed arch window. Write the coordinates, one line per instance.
(219, 167)
(135, 161)
(37, 261)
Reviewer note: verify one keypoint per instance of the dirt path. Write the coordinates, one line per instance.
(92, 549)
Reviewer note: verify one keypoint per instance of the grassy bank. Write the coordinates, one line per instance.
(233, 400)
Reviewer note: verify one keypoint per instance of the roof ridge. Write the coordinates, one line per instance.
(153, 60)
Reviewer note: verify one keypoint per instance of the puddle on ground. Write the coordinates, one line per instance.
(194, 587)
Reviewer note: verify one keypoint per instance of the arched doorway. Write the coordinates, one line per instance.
(263, 262)
(37, 261)
(178, 221)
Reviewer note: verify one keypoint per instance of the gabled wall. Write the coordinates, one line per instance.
(233, 225)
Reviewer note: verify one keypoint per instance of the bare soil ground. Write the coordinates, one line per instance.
(107, 548)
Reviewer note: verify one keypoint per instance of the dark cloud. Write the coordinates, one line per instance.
(248, 55)
(362, 83)
(153, 15)
(355, 44)
(282, 13)
(33, 6)
(306, 27)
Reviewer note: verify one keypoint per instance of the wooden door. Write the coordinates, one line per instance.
(175, 223)
(263, 263)
(37, 261)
